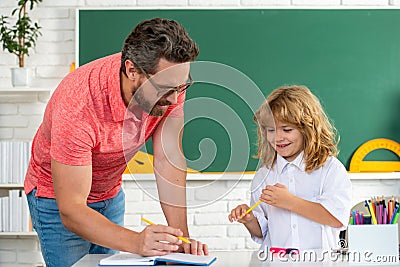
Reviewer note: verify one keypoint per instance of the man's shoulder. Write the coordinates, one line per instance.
(87, 76)
(96, 62)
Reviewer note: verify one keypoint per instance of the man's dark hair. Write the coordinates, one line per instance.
(158, 38)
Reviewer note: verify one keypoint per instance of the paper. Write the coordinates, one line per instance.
(129, 259)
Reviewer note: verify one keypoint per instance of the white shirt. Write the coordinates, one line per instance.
(329, 185)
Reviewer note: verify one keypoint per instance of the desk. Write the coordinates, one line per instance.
(234, 259)
(224, 258)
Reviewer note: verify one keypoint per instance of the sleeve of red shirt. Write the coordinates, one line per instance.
(72, 135)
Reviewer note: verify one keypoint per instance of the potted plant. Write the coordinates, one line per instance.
(19, 38)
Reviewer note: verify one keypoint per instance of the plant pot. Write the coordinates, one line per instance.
(20, 76)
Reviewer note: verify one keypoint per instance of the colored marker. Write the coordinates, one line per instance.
(379, 210)
(394, 212)
(396, 217)
(390, 210)
(384, 221)
(355, 215)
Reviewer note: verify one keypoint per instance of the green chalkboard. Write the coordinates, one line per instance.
(349, 58)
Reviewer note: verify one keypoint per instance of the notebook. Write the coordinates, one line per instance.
(129, 259)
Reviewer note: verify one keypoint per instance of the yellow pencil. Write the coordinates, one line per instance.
(179, 237)
(251, 208)
(373, 217)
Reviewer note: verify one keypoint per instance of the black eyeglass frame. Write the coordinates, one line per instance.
(169, 91)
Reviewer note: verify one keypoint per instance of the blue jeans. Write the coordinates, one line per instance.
(61, 247)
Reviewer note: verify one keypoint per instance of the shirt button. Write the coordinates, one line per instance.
(294, 226)
(291, 180)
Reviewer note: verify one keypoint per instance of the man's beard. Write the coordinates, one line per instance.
(152, 109)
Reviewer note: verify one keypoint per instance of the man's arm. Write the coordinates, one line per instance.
(170, 171)
(72, 186)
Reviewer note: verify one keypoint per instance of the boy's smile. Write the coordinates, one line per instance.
(286, 139)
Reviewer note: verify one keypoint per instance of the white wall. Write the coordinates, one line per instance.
(208, 223)
(21, 114)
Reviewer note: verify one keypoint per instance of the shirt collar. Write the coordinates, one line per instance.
(281, 163)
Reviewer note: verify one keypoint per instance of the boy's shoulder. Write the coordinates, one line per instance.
(261, 173)
(333, 162)
(263, 169)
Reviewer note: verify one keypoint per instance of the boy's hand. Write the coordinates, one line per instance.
(238, 214)
(278, 196)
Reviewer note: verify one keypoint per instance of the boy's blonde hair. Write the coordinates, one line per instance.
(296, 105)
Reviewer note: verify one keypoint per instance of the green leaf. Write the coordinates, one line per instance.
(20, 37)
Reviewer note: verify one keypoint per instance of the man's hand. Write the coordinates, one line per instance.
(158, 240)
(195, 247)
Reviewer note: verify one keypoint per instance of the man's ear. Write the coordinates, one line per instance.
(130, 70)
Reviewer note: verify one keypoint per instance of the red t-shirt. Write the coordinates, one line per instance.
(86, 123)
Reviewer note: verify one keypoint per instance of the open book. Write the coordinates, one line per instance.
(129, 259)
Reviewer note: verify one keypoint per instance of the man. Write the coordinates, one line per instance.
(97, 119)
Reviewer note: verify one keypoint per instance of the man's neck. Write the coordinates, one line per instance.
(125, 88)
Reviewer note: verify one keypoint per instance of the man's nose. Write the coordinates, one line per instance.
(173, 98)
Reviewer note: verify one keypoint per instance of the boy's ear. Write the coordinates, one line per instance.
(130, 70)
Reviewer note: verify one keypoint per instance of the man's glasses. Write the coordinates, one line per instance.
(167, 91)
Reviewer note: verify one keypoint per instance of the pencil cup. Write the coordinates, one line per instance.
(373, 244)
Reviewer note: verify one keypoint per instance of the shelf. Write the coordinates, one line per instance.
(25, 89)
(4, 188)
(37, 86)
(374, 175)
(249, 176)
(193, 177)
(11, 186)
(18, 234)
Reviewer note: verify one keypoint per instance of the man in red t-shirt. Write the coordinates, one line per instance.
(96, 120)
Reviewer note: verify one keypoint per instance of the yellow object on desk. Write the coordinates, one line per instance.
(179, 237)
